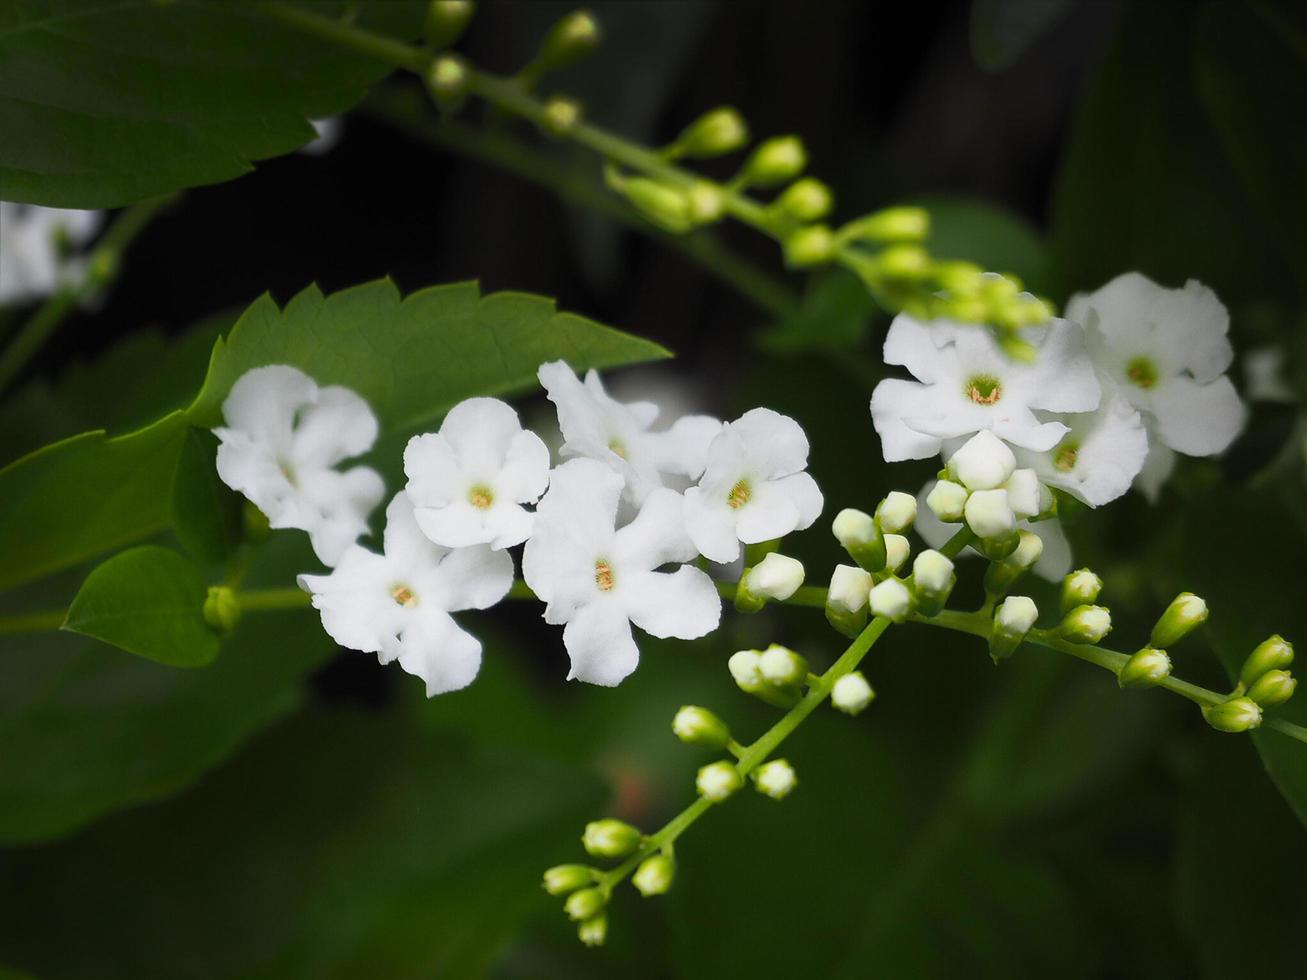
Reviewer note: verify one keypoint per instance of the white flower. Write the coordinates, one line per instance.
(966, 384)
(34, 246)
(599, 579)
(754, 487)
(280, 447)
(469, 480)
(397, 604)
(616, 434)
(1167, 351)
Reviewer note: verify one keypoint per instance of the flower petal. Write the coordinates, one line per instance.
(468, 578)
(1197, 419)
(438, 650)
(683, 449)
(480, 431)
(600, 645)
(1157, 470)
(573, 528)
(338, 426)
(525, 475)
(435, 475)
(1062, 379)
(891, 400)
(656, 536)
(405, 544)
(264, 402)
(778, 507)
(774, 444)
(711, 526)
(682, 604)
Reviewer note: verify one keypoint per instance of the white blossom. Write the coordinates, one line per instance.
(397, 604)
(595, 426)
(36, 246)
(468, 481)
(599, 579)
(281, 445)
(754, 487)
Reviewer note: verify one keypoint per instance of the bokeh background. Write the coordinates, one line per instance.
(299, 811)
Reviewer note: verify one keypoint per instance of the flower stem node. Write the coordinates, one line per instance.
(807, 199)
(782, 667)
(851, 693)
(1086, 624)
(933, 579)
(891, 225)
(1013, 619)
(561, 115)
(713, 134)
(775, 779)
(1003, 574)
(775, 161)
(594, 930)
(447, 80)
(654, 876)
(896, 512)
(856, 531)
(846, 600)
(699, 726)
(1274, 653)
(891, 599)
(1235, 715)
(985, 462)
(808, 246)
(570, 39)
(1147, 668)
(446, 20)
(564, 879)
(897, 551)
(1080, 588)
(990, 517)
(1185, 613)
(585, 904)
(718, 781)
(610, 838)
(222, 610)
(776, 577)
(1273, 688)
(947, 501)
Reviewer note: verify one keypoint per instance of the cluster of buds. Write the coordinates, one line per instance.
(720, 780)
(1264, 683)
(776, 675)
(983, 488)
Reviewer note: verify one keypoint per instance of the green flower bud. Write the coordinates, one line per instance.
(1186, 612)
(561, 115)
(1013, 619)
(585, 904)
(718, 781)
(1080, 588)
(775, 161)
(446, 21)
(713, 134)
(447, 81)
(1086, 624)
(856, 531)
(958, 278)
(1272, 688)
(899, 224)
(1146, 668)
(665, 206)
(654, 876)
(610, 838)
(594, 930)
(933, 579)
(1002, 575)
(807, 199)
(222, 610)
(808, 246)
(1235, 715)
(699, 726)
(775, 779)
(706, 202)
(565, 878)
(569, 40)
(903, 262)
(782, 667)
(851, 693)
(1274, 653)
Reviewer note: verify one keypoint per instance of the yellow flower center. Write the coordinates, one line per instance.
(984, 389)
(617, 447)
(1142, 372)
(1065, 459)
(739, 495)
(404, 596)
(480, 497)
(604, 575)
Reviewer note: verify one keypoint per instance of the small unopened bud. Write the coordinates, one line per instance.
(897, 550)
(1275, 653)
(989, 516)
(807, 199)
(1013, 619)
(808, 246)
(1146, 668)
(1080, 588)
(846, 600)
(699, 726)
(782, 666)
(1086, 624)
(775, 779)
(561, 115)
(706, 202)
(610, 838)
(446, 21)
(896, 512)
(900, 224)
(776, 577)
(1272, 688)
(718, 781)
(775, 161)
(654, 876)
(933, 579)
(947, 501)
(891, 599)
(1002, 575)
(1025, 494)
(985, 462)
(447, 80)
(1235, 715)
(664, 206)
(958, 277)
(713, 134)
(856, 531)
(1185, 613)
(851, 693)
(585, 904)
(569, 40)
(594, 930)
(902, 262)
(565, 878)
(222, 610)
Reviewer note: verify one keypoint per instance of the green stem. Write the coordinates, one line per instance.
(273, 600)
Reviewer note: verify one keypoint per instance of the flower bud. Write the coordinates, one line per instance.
(564, 878)
(1086, 624)
(746, 670)
(1003, 574)
(807, 199)
(699, 726)
(447, 81)
(846, 600)
(851, 693)
(585, 904)
(610, 838)
(776, 577)
(775, 779)
(896, 512)
(222, 610)
(933, 579)
(958, 277)
(902, 262)
(782, 666)
(856, 531)
(1146, 668)
(665, 206)
(899, 224)
(446, 20)
(654, 876)
(1080, 588)
(775, 161)
(808, 246)
(1025, 494)
(718, 781)
(897, 550)
(569, 40)
(985, 462)
(705, 201)
(1272, 688)
(989, 516)
(713, 134)
(891, 599)
(1235, 715)
(1186, 612)
(594, 930)
(947, 501)
(561, 115)
(1013, 619)
(1274, 653)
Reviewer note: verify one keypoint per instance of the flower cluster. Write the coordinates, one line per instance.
(608, 543)
(37, 249)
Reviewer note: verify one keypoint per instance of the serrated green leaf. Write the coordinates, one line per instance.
(148, 601)
(206, 513)
(107, 102)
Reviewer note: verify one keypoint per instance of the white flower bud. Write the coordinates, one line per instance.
(897, 550)
(1186, 612)
(775, 779)
(594, 930)
(983, 463)
(654, 876)
(782, 666)
(891, 599)
(1016, 615)
(746, 670)
(1024, 494)
(718, 780)
(856, 531)
(776, 577)
(849, 586)
(699, 726)
(933, 573)
(896, 512)
(1145, 669)
(1086, 624)
(988, 514)
(947, 500)
(1004, 573)
(1080, 588)
(610, 838)
(851, 693)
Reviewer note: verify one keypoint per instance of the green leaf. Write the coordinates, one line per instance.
(148, 601)
(107, 102)
(206, 513)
